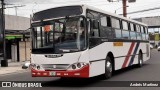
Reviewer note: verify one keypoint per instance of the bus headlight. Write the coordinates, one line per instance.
(36, 67)
(73, 66)
(79, 65)
(76, 66)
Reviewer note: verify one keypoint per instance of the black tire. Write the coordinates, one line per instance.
(140, 60)
(108, 69)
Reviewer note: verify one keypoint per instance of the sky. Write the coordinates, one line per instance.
(32, 6)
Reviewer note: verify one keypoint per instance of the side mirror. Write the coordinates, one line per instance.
(95, 24)
(25, 66)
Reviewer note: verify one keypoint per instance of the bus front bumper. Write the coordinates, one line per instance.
(80, 73)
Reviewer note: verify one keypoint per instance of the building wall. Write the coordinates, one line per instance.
(16, 22)
(154, 27)
(22, 51)
(150, 21)
(19, 23)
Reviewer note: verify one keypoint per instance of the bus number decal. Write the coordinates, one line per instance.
(117, 43)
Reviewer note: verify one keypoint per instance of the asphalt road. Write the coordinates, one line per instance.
(149, 72)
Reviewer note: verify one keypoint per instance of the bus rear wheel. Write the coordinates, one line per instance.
(108, 68)
(140, 60)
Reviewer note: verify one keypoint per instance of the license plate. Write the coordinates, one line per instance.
(52, 73)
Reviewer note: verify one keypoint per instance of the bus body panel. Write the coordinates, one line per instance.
(68, 58)
(97, 68)
(99, 53)
(84, 56)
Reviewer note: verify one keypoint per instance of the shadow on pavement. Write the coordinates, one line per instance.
(134, 67)
(72, 82)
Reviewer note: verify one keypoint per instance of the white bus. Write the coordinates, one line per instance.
(83, 41)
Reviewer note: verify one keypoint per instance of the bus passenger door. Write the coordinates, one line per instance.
(94, 34)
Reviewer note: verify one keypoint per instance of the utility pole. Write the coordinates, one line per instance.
(4, 62)
(118, 9)
(124, 5)
(124, 8)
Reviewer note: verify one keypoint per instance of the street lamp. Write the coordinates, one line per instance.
(118, 9)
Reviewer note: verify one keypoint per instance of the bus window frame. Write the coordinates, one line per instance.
(114, 28)
(124, 30)
(130, 26)
(138, 28)
(107, 26)
(118, 20)
(134, 25)
(127, 24)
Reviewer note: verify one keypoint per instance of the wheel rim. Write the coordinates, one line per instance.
(140, 62)
(109, 66)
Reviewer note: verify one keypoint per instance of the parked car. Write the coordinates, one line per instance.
(158, 48)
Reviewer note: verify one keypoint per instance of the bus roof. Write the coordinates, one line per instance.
(95, 9)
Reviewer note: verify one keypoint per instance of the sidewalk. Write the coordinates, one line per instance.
(13, 67)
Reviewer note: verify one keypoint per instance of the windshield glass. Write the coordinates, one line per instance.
(60, 36)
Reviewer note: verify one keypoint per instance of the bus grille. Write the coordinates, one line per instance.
(55, 66)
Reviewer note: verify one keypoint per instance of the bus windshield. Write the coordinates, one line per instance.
(60, 36)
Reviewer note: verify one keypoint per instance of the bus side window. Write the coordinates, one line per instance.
(94, 16)
(143, 33)
(133, 35)
(105, 27)
(132, 32)
(125, 31)
(95, 29)
(131, 27)
(139, 35)
(116, 27)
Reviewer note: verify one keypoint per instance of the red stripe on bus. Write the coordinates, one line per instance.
(128, 55)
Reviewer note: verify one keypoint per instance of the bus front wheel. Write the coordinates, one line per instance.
(108, 68)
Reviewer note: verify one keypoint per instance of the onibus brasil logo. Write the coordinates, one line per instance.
(21, 84)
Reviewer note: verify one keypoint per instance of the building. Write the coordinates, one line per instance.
(153, 27)
(17, 38)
